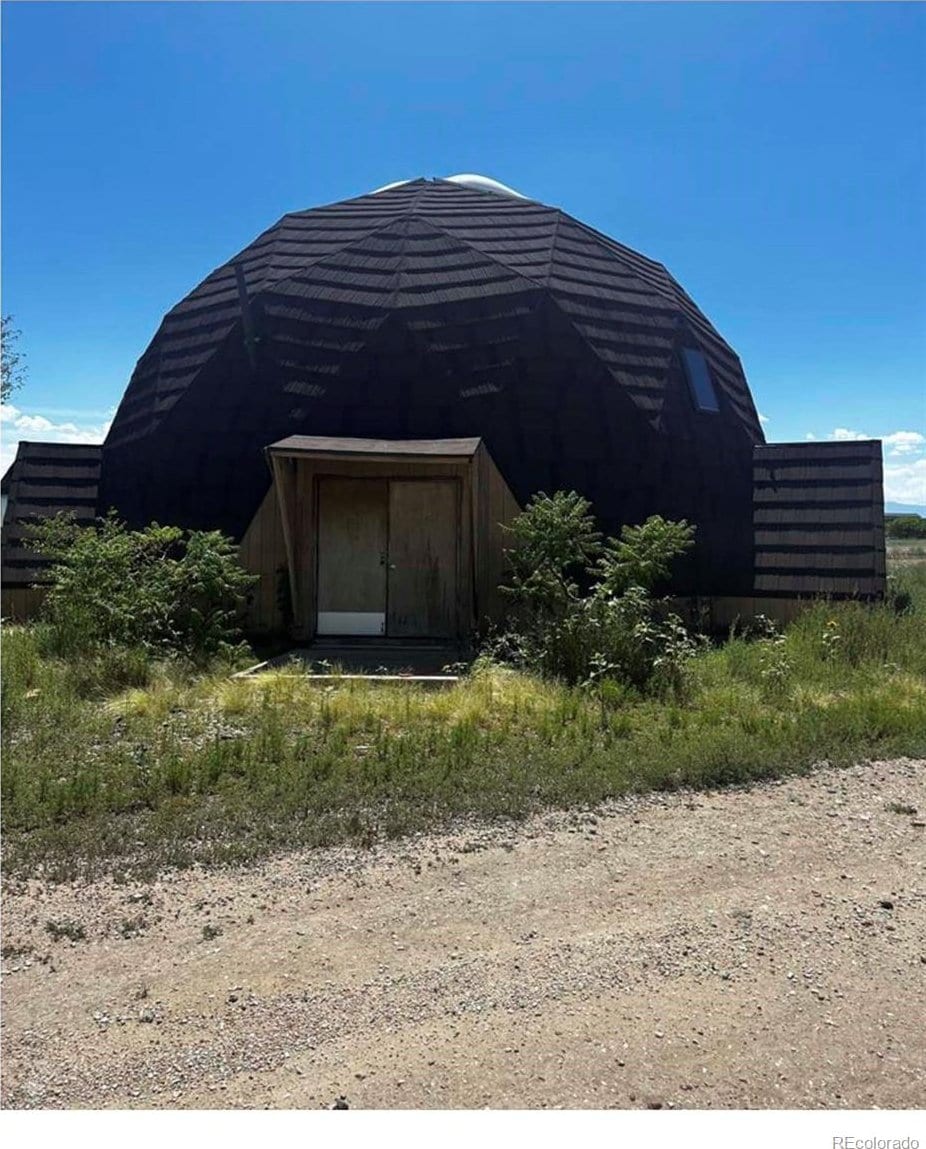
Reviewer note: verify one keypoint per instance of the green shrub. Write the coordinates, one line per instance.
(583, 609)
(643, 555)
(555, 544)
(905, 527)
(157, 591)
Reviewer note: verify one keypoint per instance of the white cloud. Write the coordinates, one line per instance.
(18, 425)
(905, 482)
(763, 418)
(896, 443)
(904, 442)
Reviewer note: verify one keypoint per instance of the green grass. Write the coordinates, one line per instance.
(127, 768)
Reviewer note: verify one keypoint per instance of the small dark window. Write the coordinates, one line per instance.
(699, 380)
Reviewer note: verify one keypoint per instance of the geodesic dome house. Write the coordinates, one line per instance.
(448, 332)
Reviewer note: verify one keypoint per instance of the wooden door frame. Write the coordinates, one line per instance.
(389, 479)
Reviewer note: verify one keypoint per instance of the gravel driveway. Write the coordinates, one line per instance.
(751, 948)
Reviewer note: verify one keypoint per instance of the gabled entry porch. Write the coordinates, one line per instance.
(391, 539)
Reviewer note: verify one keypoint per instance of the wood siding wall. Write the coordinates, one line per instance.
(262, 552)
(818, 519)
(496, 506)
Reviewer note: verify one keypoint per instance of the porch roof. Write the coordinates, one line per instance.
(383, 448)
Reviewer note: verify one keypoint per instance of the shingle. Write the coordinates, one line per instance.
(43, 480)
(438, 311)
(819, 518)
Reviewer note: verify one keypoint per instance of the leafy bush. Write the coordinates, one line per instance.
(583, 608)
(556, 542)
(905, 527)
(157, 591)
(643, 555)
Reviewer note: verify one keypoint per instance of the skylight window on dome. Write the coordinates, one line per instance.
(699, 379)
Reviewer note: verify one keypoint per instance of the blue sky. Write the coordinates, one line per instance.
(772, 156)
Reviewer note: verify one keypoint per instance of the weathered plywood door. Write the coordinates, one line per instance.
(424, 532)
(352, 542)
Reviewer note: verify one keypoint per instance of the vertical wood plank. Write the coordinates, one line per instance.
(424, 542)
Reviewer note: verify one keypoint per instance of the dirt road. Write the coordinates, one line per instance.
(761, 948)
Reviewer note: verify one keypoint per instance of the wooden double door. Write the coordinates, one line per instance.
(388, 554)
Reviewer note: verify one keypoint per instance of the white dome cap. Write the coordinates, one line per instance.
(466, 180)
(483, 183)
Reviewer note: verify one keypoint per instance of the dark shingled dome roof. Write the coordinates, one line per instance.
(436, 310)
